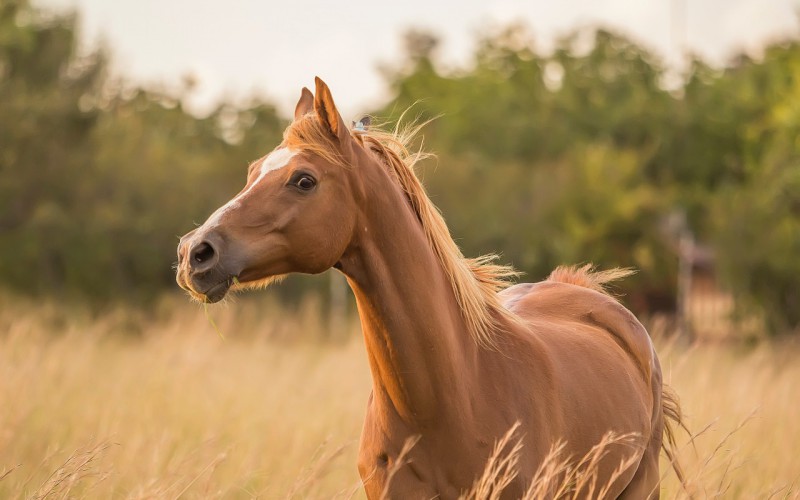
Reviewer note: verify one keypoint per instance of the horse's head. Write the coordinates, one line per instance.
(296, 213)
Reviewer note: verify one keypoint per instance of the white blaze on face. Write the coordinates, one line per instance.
(273, 161)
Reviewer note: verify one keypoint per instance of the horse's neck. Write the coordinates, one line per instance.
(420, 353)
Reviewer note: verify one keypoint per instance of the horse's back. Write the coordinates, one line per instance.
(549, 306)
(599, 351)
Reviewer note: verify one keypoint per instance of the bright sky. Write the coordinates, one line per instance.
(237, 48)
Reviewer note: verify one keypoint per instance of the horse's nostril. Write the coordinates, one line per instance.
(203, 252)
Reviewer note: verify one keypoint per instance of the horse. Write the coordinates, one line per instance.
(458, 356)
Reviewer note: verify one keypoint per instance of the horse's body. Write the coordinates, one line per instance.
(455, 364)
(571, 376)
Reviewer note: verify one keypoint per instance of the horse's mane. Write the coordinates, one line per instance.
(587, 277)
(475, 281)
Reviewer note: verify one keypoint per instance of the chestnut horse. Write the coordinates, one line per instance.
(456, 357)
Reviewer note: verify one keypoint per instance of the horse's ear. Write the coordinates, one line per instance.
(305, 104)
(326, 111)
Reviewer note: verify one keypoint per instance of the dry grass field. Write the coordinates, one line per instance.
(128, 405)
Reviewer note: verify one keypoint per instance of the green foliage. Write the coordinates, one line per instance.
(757, 222)
(582, 155)
(97, 180)
(579, 155)
(44, 139)
(555, 154)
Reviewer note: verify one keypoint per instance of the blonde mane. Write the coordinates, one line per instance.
(476, 281)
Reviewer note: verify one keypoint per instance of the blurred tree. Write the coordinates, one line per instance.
(579, 155)
(583, 155)
(44, 140)
(756, 221)
(553, 153)
(98, 180)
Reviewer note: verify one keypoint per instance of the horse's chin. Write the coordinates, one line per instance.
(216, 292)
(212, 295)
(219, 291)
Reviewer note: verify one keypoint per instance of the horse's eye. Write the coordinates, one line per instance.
(305, 182)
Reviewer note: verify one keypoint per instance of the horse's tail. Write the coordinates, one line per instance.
(673, 419)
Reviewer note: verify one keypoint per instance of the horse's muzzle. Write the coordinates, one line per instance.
(200, 268)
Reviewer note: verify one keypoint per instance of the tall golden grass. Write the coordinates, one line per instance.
(130, 404)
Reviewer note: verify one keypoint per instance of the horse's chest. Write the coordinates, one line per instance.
(385, 440)
(396, 461)
(393, 461)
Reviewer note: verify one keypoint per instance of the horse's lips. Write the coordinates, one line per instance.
(217, 292)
